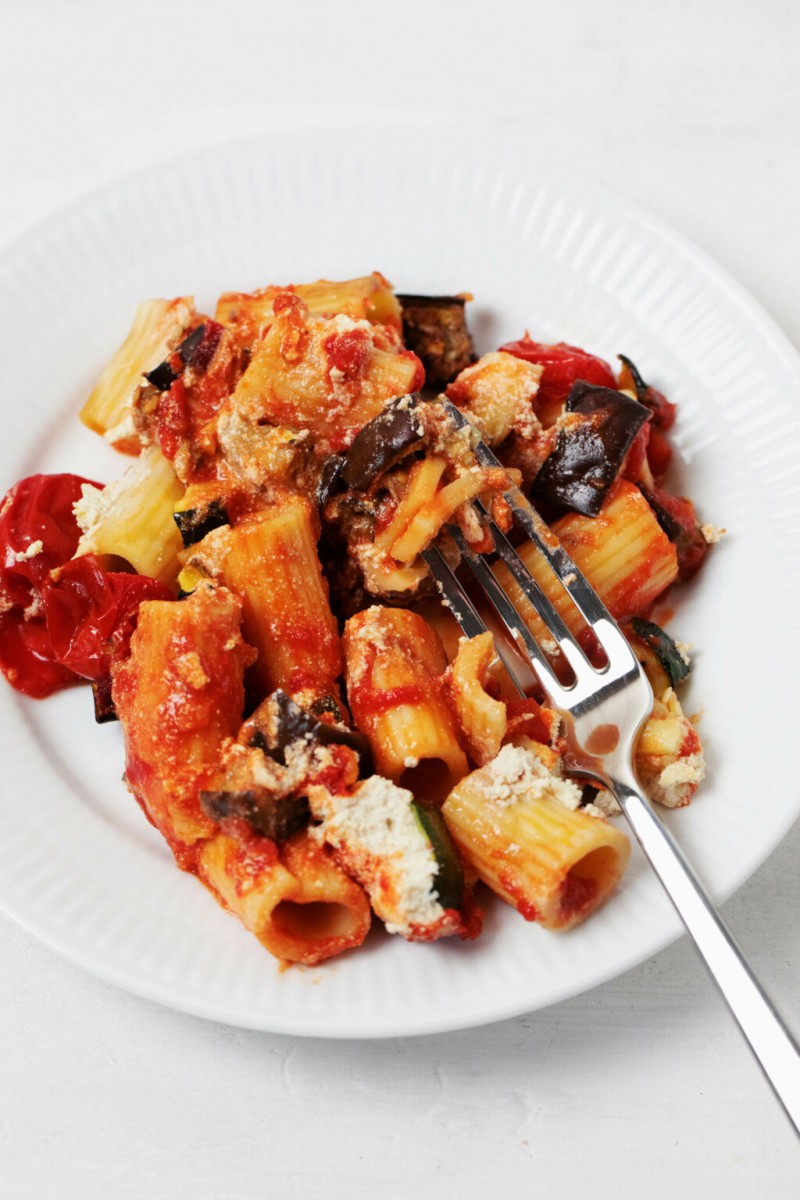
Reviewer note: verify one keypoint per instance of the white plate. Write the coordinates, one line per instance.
(79, 866)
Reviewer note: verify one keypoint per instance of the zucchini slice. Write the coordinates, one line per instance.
(449, 881)
(663, 662)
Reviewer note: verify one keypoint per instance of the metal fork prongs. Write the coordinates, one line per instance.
(604, 708)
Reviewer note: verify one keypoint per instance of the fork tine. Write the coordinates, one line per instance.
(583, 596)
(462, 608)
(513, 622)
(548, 613)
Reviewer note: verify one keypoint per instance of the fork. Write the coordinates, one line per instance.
(604, 710)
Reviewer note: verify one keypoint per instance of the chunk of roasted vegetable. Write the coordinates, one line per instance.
(664, 664)
(276, 817)
(435, 328)
(279, 721)
(594, 436)
(382, 442)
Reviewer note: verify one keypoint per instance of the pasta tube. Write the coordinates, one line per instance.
(157, 328)
(133, 517)
(394, 664)
(519, 826)
(270, 560)
(368, 298)
(179, 695)
(623, 552)
(327, 375)
(498, 392)
(295, 898)
(483, 719)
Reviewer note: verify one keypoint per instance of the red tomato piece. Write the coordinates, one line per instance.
(91, 614)
(27, 659)
(563, 366)
(37, 509)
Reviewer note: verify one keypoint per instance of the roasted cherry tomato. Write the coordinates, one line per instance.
(55, 632)
(38, 532)
(91, 614)
(27, 659)
(563, 366)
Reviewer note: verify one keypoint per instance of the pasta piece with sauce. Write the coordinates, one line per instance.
(518, 823)
(394, 667)
(270, 560)
(295, 898)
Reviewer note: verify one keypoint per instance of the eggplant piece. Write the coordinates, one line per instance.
(663, 410)
(104, 709)
(676, 516)
(276, 817)
(281, 721)
(596, 434)
(663, 662)
(382, 442)
(435, 328)
(195, 523)
(164, 375)
(330, 480)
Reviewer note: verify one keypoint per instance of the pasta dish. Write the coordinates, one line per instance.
(303, 722)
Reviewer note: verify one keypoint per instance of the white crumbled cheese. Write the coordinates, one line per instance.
(677, 782)
(91, 508)
(124, 431)
(711, 534)
(24, 555)
(383, 845)
(605, 804)
(34, 609)
(549, 645)
(410, 762)
(683, 649)
(517, 775)
(343, 324)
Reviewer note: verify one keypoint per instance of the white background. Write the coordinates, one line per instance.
(643, 1086)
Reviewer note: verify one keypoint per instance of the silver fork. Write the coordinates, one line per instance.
(604, 711)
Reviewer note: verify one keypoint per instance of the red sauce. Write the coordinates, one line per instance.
(603, 739)
(349, 352)
(576, 896)
(527, 910)
(374, 701)
(172, 419)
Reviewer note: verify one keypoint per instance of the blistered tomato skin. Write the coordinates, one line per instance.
(91, 614)
(563, 366)
(38, 532)
(53, 633)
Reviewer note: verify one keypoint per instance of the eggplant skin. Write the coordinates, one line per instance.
(104, 709)
(435, 328)
(286, 722)
(595, 436)
(658, 641)
(276, 817)
(195, 523)
(382, 442)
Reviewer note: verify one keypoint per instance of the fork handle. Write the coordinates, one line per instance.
(773, 1045)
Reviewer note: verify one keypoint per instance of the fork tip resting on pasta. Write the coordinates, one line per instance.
(302, 721)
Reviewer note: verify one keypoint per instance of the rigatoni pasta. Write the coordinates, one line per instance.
(251, 599)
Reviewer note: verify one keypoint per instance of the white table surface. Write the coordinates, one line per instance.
(643, 1086)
